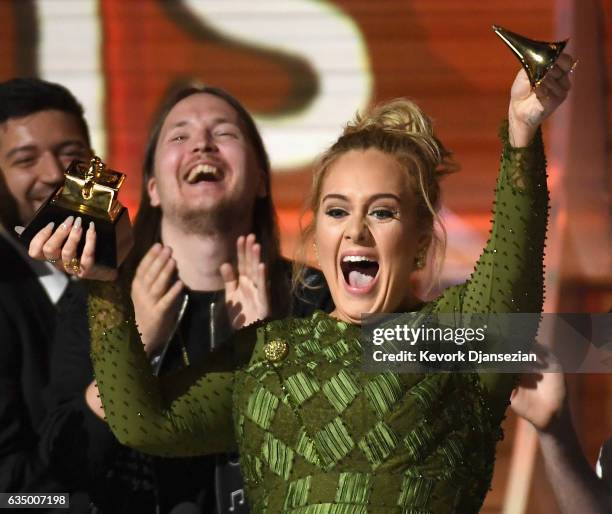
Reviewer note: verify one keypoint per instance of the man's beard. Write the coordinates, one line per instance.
(200, 220)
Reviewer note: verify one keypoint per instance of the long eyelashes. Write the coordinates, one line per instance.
(379, 214)
(335, 212)
(384, 214)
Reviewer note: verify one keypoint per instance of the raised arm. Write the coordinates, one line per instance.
(509, 274)
(508, 277)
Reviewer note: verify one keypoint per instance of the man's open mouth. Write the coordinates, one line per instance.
(359, 271)
(203, 173)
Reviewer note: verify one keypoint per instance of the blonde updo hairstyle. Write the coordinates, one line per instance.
(402, 130)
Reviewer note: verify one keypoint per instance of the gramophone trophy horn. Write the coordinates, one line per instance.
(536, 57)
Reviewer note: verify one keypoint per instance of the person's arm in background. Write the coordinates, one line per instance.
(76, 439)
(542, 400)
(22, 464)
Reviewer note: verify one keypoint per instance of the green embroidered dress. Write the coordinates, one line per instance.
(316, 434)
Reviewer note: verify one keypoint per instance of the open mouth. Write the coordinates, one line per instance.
(359, 271)
(204, 173)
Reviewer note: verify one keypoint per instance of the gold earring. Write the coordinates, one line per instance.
(419, 261)
(314, 247)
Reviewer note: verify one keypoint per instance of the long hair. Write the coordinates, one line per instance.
(147, 224)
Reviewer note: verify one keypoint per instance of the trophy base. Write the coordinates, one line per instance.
(113, 237)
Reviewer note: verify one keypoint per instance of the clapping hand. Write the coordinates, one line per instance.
(246, 292)
(156, 294)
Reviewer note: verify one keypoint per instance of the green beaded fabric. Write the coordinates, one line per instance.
(316, 434)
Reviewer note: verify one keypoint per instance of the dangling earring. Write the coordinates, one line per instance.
(314, 247)
(419, 261)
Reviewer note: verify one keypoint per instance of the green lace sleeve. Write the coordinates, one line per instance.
(509, 274)
(188, 413)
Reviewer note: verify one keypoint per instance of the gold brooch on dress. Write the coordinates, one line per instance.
(276, 350)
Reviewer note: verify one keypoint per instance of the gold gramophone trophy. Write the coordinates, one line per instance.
(537, 57)
(90, 191)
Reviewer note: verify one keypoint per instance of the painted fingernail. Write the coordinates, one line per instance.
(77, 223)
(51, 225)
(92, 226)
(18, 229)
(68, 222)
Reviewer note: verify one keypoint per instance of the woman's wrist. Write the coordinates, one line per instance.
(520, 134)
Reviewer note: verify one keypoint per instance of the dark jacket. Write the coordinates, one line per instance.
(27, 324)
(86, 454)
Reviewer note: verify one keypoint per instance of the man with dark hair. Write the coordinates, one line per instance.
(42, 130)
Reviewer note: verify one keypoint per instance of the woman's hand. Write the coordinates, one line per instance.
(246, 294)
(529, 107)
(59, 247)
(155, 295)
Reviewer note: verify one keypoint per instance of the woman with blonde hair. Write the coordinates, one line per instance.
(315, 432)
